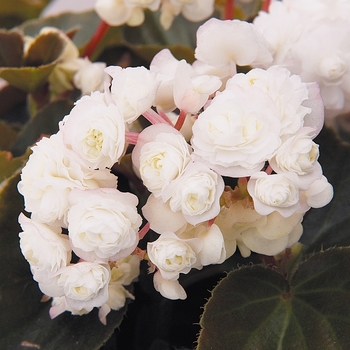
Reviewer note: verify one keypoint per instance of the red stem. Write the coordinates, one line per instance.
(96, 39)
(265, 5)
(229, 9)
(180, 121)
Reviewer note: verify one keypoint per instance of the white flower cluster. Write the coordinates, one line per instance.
(131, 12)
(310, 38)
(211, 124)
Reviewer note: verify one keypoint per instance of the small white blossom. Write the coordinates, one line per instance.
(160, 156)
(173, 255)
(230, 43)
(90, 76)
(95, 131)
(277, 192)
(85, 284)
(103, 224)
(299, 154)
(44, 247)
(133, 90)
(170, 289)
(196, 193)
(51, 172)
(160, 216)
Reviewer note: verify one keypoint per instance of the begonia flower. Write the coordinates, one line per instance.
(51, 172)
(103, 224)
(95, 131)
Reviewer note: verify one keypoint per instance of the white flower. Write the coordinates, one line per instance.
(51, 172)
(122, 274)
(286, 90)
(85, 284)
(192, 91)
(238, 132)
(196, 193)
(95, 131)
(299, 154)
(44, 247)
(281, 28)
(90, 76)
(160, 156)
(133, 90)
(227, 43)
(118, 12)
(164, 66)
(272, 238)
(117, 295)
(60, 305)
(319, 194)
(103, 224)
(173, 255)
(213, 251)
(114, 12)
(277, 192)
(160, 216)
(170, 289)
(192, 10)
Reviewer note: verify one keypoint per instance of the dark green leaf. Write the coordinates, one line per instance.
(44, 123)
(256, 308)
(8, 136)
(46, 48)
(14, 12)
(28, 79)
(85, 23)
(11, 49)
(329, 226)
(9, 165)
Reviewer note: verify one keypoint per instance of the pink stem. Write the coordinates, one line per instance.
(164, 116)
(154, 118)
(269, 170)
(265, 5)
(96, 39)
(144, 230)
(229, 9)
(131, 137)
(180, 120)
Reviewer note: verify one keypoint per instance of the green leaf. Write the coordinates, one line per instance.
(8, 136)
(24, 319)
(46, 48)
(44, 123)
(9, 165)
(329, 226)
(85, 23)
(28, 79)
(256, 308)
(144, 41)
(11, 48)
(15, 12)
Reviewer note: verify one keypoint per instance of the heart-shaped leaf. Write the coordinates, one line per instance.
(11, 48)
(46, 48)
(256, 308)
